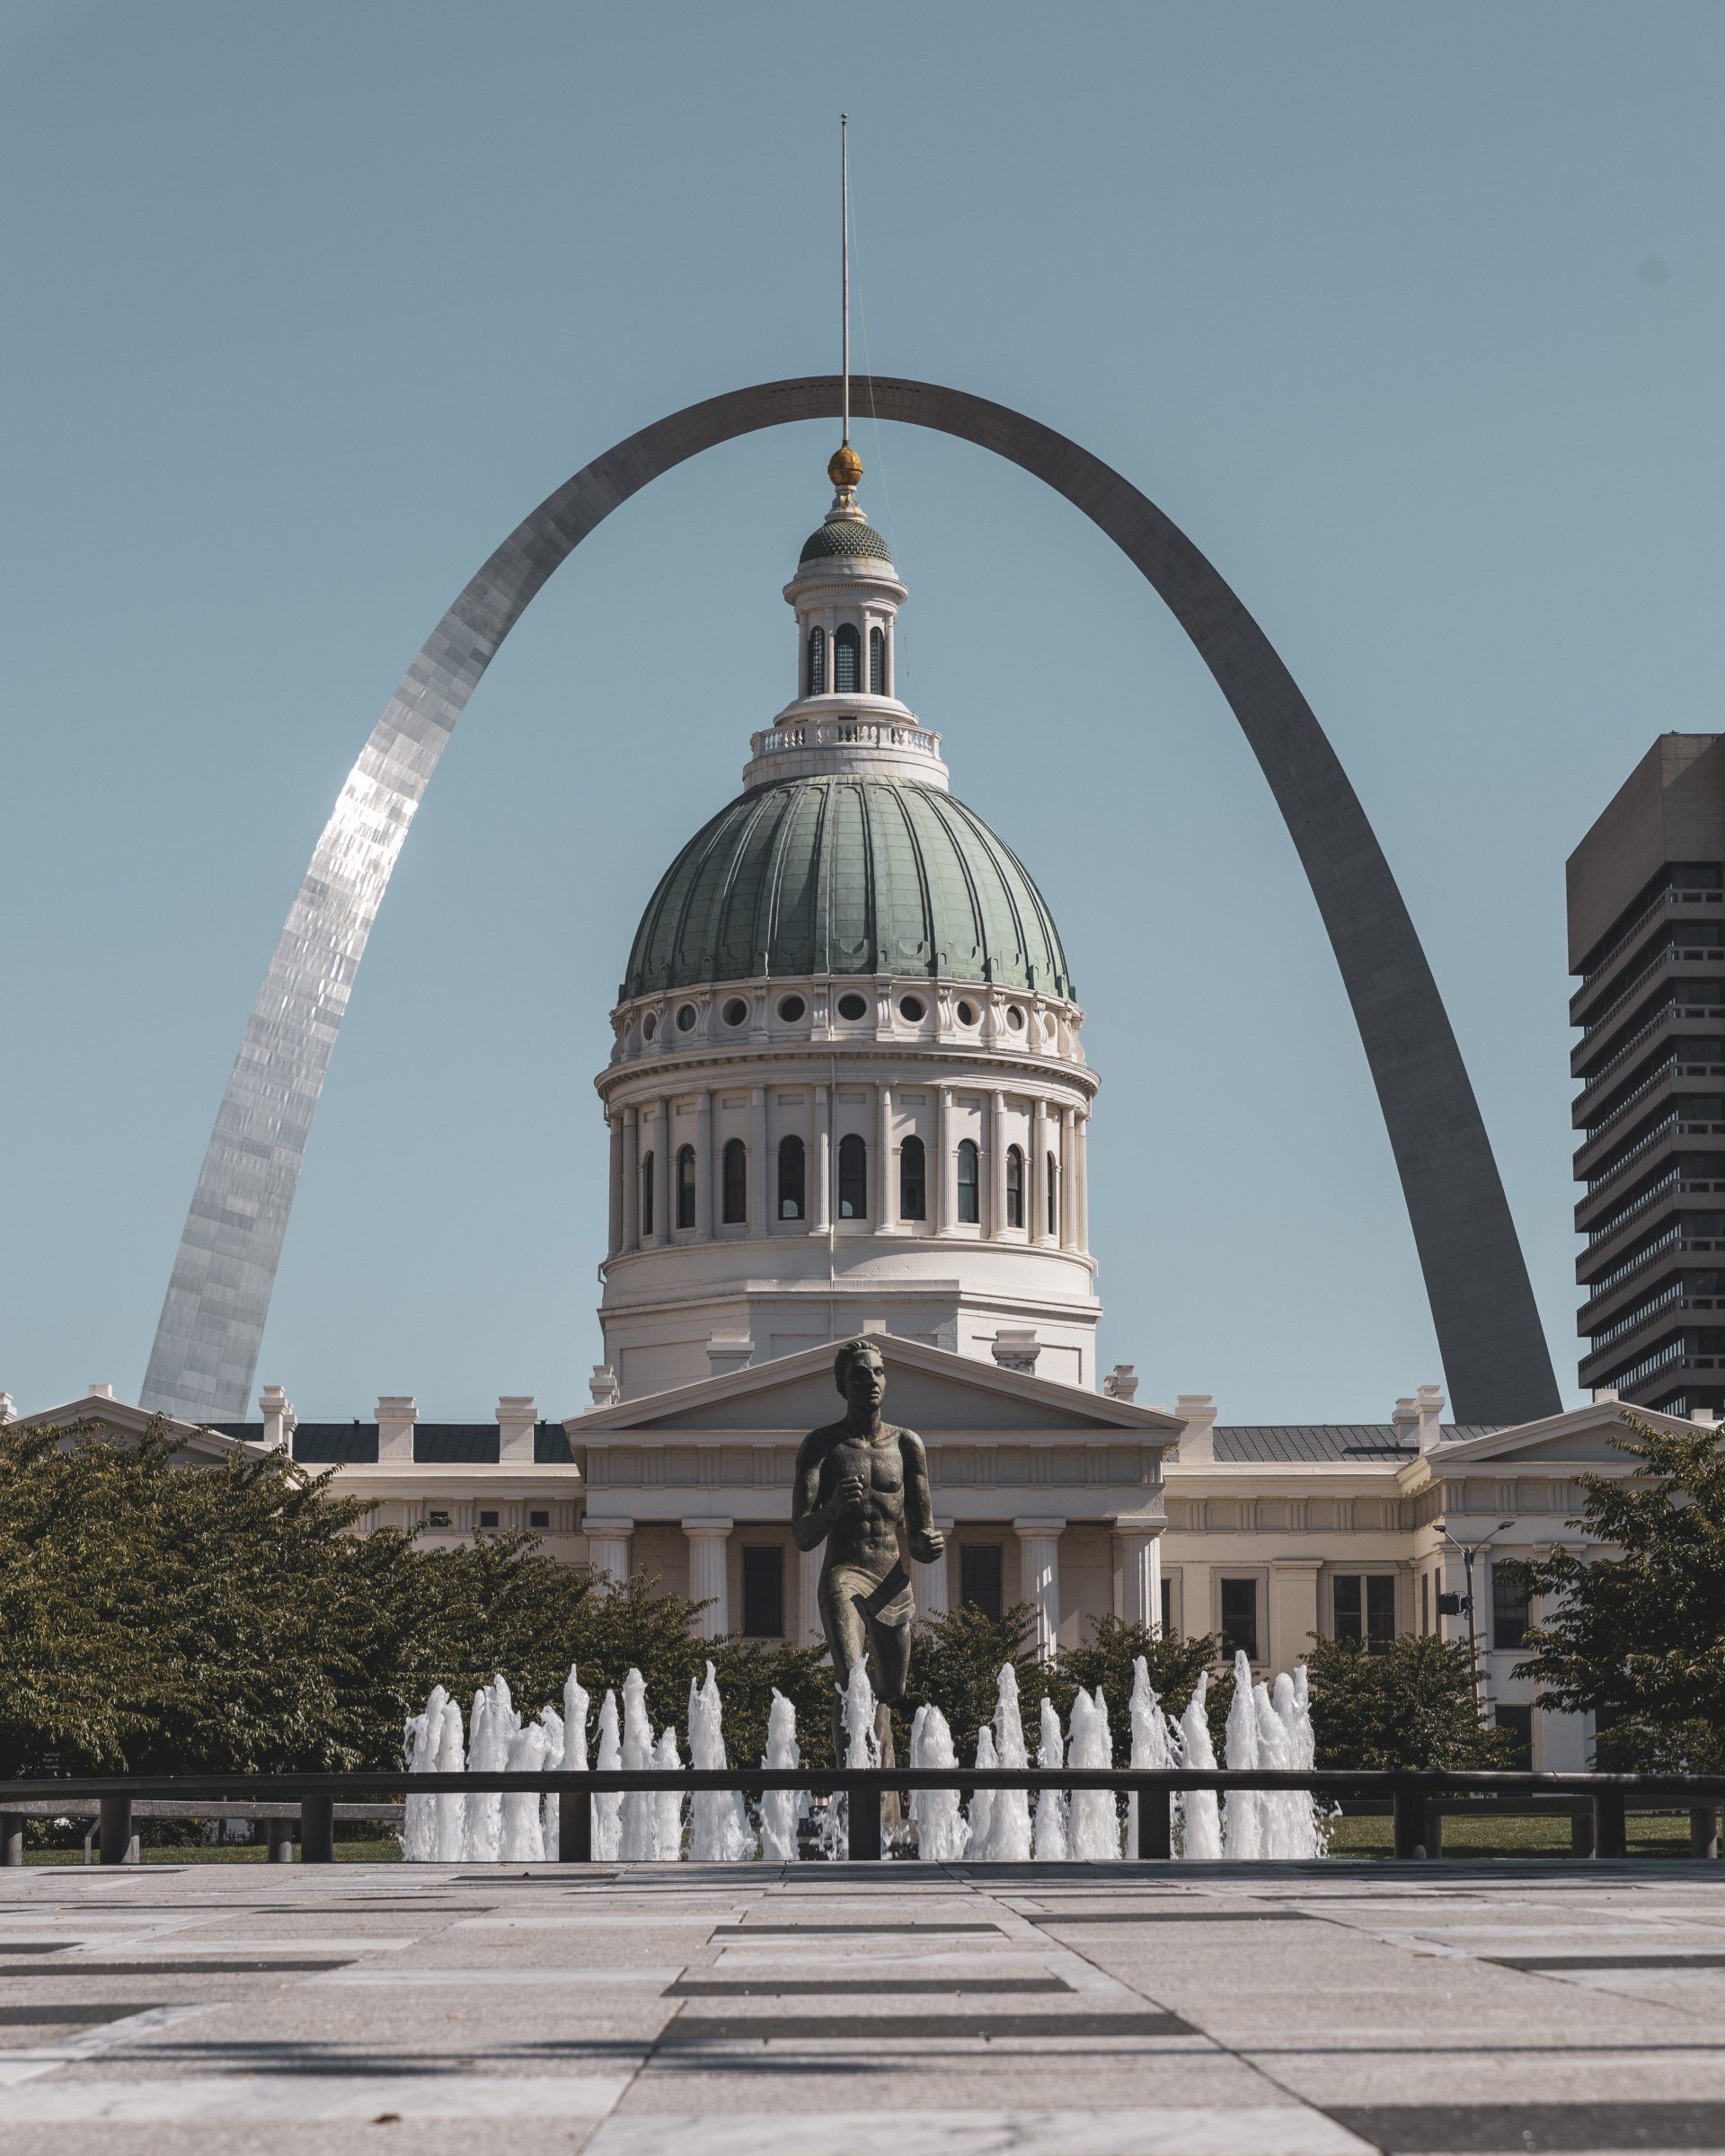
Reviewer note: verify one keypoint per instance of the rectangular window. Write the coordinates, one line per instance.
(1519, 1722)
(1364, 1607)
(979, 1577)
(487, 1519)
(436, 1519)
(1240, 1617)
(1510, 1618)
(853, 1178)
(538, 1519)
(1167, 1609)
(764, 1592)
(1350, 1610)
(1425, 1603)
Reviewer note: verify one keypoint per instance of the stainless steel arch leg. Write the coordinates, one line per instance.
(1495, 1357)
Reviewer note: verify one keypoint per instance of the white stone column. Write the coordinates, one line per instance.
(630, 1179)
(809, 1564)
(708, 1583)
(614, 1119)
(1040, 1550)
(996, 1214)
(886, 1209)
(929, 1583)
(1139, 1550)
(1080, 1198)
(818, 1165)
(1068, 1182)
(1041, 1227)
(760, 1198)
(517, 1417)
(280, 1421)
(945, 1181)
(664, 1175)
(396, 1414)
(704, 1166)
(607, 1548)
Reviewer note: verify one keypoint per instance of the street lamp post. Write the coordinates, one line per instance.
(1468, 1551)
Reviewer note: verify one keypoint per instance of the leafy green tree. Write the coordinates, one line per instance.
(1637, 1637)
(1411, 1705)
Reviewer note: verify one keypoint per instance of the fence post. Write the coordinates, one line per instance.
(119, 1842)
(1155, 1826)
(12, 1838)
(1610, 1832)
(1581, 1829)
(1434, 1829)
(574, 1827)
(279, 1830)
(1409, 1823)
(317, 1830)
(865, 1824)
(1704, 1831)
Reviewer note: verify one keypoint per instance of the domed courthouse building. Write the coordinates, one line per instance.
(848, 1094)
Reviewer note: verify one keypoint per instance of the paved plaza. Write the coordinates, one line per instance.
(879, 2011)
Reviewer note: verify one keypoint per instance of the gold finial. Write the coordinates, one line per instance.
(845, 468)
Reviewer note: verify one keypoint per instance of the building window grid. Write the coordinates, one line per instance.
(913, 1180)
(846, 659)
(980, 1578)
(853, 1178)
(734, 1176)
(1239, 1601)
(1364, 1608)
(817, 662)
(969, 1183)
(877, 662)
(791, 1197)
(1014, 1186)
(1511, 1612)
(763, 1591)
(686, 1186)
(646, 1193)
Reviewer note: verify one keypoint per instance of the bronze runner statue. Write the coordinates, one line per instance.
(856, 1479)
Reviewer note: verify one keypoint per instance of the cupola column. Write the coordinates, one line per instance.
(997, 1164)
(946, 1173)
(703, 1165)
(614, 1244)
(664, 1176)
(817, 1198)
(1068, 1181)
(1041, 1227)
(885, 1212)
(631, 1174)
(759, 1212)
(1081, 1205)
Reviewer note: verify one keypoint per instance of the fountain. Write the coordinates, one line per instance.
(1268, 1727)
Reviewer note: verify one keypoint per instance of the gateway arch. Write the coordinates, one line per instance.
(205, 1356)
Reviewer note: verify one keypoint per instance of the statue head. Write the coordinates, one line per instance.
(860, 1374)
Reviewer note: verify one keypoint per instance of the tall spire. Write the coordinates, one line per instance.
(844, 467)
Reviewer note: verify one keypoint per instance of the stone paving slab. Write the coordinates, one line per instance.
(889, 2011)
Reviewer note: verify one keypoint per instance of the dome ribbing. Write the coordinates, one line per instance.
(846, 875)
(845, 536)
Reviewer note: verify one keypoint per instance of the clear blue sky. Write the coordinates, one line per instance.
(1412, 316)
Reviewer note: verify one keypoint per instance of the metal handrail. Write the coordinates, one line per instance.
(1411, 1790)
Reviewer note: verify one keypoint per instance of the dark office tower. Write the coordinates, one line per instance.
(1647, 936)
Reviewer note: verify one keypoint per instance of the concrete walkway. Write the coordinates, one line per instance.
(871, 2010)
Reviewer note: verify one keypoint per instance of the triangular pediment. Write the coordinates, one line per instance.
(1581, 1436)
(120, 1419)
(928, 1389)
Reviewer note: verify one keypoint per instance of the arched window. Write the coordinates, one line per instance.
(969, 1193)
(1014, 1188)
(913, 1180)
(846, 647)
(853, 1178)
(686, 1186)
(877, 662)
(645, 1194)
(1052, 1225)
(736, 1182)
(817, 662)
(791, 1179)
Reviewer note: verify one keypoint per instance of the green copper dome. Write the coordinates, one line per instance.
(845, 536)
(846, 875)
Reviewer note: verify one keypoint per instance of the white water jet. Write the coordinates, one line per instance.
(719, 1828)
(1308, 1836)
(668, 1804)
(936, 1815)
(452, 1809)
(488, 1753)
(1010, 1830)
(552, 1723)
(981, 1817)
(1201, 1815)
(421, 1741)
(781, 1809)
(861, 1749)
(521, 1840)
(607, 1810)
(639, 1840)
(1154, 1743)
(1053, 1845)
(1095, 1830)
(1244, 1823)
(1280, 1809)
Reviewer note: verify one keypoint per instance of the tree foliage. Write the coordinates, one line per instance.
(1413, 1704)
(1638, 1637)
